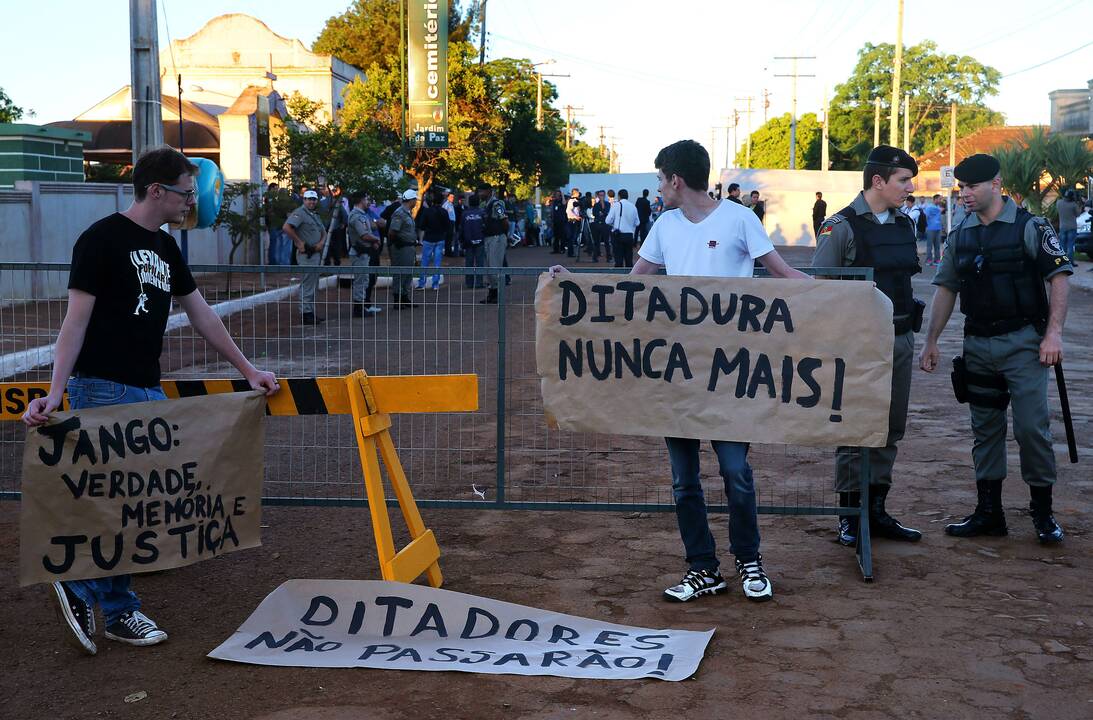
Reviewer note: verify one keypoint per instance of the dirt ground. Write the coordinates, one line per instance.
(994, 627)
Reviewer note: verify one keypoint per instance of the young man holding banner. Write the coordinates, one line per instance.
(125, 270)
(873, 232)
(701, 236)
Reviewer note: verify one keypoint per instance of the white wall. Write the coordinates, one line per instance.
(789, 196)
(41, 221)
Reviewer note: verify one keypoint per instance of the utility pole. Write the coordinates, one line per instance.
(952, 133)
(793, 114)
(147, 109)
(613, 166)
(766, 104)
(569, 123)
(539, 127)
(735, 138)
(876, 121)
(482, 32)
(893, 128)
(539, 94)
(603, 148)
(713, 149)
(747, 143)
(907, 122)
(824, 156)
(951, 200)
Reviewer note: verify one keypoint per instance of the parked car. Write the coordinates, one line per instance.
(1083, 242)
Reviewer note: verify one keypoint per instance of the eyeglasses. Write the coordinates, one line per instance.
(190, 194)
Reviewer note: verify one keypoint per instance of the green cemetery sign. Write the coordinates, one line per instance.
(427, 59)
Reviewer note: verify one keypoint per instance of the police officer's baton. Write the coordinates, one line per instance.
(1068, 423)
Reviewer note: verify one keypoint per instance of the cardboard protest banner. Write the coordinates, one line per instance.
(141, 487)
(801, 362)
(396, 626)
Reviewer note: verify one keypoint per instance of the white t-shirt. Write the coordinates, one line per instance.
(882, 217)
(725, 243)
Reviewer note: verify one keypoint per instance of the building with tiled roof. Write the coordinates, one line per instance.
(983, 140)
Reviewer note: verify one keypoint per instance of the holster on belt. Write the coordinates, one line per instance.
(962, 379)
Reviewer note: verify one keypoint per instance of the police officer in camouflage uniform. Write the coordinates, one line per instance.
(997, 261)
(308, 233)
(872, 232)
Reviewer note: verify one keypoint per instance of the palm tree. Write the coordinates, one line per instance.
(1040, 165)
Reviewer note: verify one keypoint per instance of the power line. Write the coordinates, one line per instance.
(617, 69)
(1024, 26)
(1045, 62)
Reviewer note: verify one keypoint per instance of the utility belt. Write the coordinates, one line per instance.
(962, 378)
(912, 322)
(1001, 327)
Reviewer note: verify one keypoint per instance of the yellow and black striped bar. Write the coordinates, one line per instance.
(302, 396)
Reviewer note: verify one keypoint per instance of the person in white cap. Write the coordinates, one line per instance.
(402, 241)
(308, 233)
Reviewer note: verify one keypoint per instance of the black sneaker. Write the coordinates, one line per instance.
(135, 628)
(756, 584)
(847, 531)
(695, 584)
(78, 615)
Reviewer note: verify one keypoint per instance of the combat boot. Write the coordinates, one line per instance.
(881, 524)
(1039, 507)
(847, 531)
(358, 310)
(490, 299)
(988, 519)
(310, 319)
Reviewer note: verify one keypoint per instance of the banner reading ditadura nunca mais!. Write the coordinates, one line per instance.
(796, 362)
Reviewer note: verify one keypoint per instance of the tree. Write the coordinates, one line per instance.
(770, 144)
(244, 228)
(934, 80)
(310, 151)
(492, 129)
(1041, 164)
(368, 33)
(9, 111)
(583, 158)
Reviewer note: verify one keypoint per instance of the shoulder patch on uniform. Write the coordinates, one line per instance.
(1049, 241)
(828, 225)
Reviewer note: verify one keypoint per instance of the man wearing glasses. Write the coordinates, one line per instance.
(125, 271)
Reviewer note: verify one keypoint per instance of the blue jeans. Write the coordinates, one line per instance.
(475, 257)
(111, 593)
(278, 247)
(1067, 238)
(694, 527)
(431, 254)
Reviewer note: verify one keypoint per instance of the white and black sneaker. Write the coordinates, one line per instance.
(135, 628)
(78, 616)
(695, 584)
(756, 584)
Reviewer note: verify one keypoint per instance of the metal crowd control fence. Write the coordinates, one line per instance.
(502, 457)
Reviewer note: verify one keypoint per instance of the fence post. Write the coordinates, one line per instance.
(501, 380)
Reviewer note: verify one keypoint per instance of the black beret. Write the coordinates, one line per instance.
(892, 157)
(977, 168)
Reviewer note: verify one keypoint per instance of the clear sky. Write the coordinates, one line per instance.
(653, 71)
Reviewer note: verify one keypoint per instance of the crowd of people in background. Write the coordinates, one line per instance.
(328, 227)
(324, 226)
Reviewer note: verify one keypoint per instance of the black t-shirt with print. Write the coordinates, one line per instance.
(132, 272)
